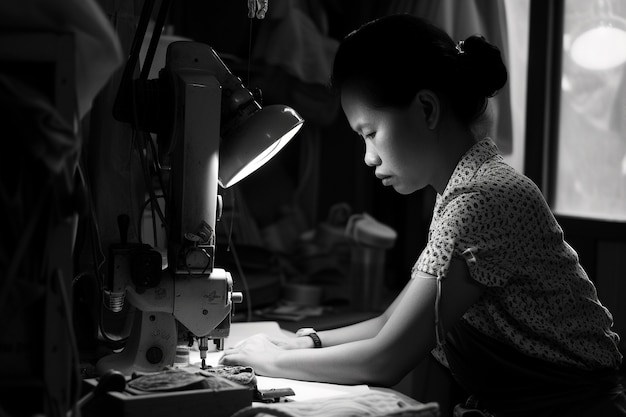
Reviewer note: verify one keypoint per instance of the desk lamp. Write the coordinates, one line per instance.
(210, 131)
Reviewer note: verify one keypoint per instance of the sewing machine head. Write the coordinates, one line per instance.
(205, 137)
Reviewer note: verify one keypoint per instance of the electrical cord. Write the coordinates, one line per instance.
(154, 228)
(111, 342)
(232, 248)
(148, 182)
(94, 232)
(99, 259)
(157, 168)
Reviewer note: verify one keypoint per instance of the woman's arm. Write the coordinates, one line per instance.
(358, 331)
(351, 333)
(405, 338)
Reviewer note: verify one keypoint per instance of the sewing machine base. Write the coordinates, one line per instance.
(216, 403)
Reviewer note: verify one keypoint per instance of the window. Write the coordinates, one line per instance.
(590, 175)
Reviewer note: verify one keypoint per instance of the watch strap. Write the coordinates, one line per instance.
(317, 343)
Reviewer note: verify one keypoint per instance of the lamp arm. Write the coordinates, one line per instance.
(154, 40)
(130, 98)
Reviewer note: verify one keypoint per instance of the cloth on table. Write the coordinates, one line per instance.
(368, 404)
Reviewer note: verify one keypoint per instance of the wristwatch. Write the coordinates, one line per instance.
(307, 331)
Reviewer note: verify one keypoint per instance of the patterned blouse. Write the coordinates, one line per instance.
(538, 298)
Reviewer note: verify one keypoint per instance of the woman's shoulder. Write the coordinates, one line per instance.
(497, 181)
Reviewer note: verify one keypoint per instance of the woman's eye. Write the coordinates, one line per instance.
(369, 135)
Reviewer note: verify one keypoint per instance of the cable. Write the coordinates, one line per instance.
(232, 222)
(97, 251)
(249, 51)
(143, 156)
(244, 281)
(113, 343)
(158, 169)
(94, 232)
(154, 228)
(148, 182)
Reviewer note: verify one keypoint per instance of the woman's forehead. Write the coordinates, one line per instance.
(357, 109)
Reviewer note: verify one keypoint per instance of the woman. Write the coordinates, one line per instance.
(497, 295)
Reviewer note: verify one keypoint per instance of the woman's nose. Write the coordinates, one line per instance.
(371, 157)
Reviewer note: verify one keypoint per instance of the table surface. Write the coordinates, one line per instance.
(304, 390)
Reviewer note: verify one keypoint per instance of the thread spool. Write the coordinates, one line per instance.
(181, 359)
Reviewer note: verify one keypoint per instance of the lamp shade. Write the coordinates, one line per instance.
(256, 141)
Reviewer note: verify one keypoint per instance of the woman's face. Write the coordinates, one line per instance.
(398, 144)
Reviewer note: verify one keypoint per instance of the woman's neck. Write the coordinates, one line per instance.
(454, 145)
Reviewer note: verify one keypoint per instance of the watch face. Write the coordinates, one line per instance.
(312, 334)
(305, 332)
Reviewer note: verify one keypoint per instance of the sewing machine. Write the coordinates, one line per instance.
(210, 131)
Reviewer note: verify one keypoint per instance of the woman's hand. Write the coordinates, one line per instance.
(288, 343)
(259, 352)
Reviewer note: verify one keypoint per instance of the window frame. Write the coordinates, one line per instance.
(542, 129)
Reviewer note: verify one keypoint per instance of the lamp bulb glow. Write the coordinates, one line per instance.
(600, 48)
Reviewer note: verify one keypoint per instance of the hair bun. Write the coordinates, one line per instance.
(483, 66)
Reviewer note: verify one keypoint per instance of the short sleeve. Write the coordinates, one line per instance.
(476, 227)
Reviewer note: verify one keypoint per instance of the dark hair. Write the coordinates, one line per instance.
(393, 57)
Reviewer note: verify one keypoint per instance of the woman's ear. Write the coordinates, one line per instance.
(431, 107)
